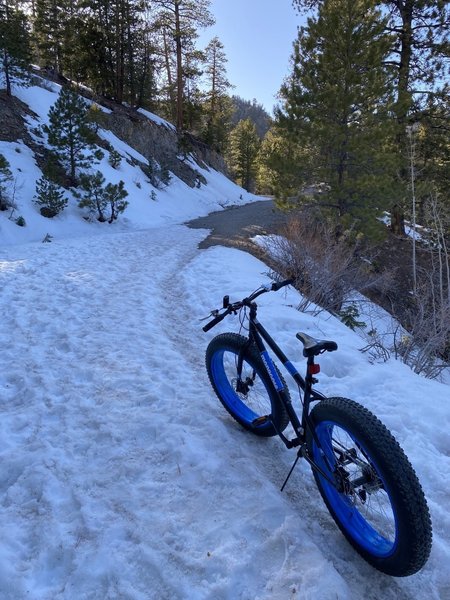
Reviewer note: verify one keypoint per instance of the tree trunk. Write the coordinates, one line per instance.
(179, 67)
(406, 39)
(172, 99)
(6, 72)
(397, 221)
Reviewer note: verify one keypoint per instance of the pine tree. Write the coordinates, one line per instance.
(192, 97)
(418, 58)
(48, 33)
(336, 105)
(180, 19)
(243, 153)
(217, 105)
(145, 65)
(418, 31)
(279, 161)
(5, 178)
(115, 194)
(70, 133)
(251, 109)
(49, 197)
(15, 52)
(97, 197)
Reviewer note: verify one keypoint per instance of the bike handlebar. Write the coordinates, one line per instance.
(214, 322)
(246, 302)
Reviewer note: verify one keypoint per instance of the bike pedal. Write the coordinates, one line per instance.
(260, 421)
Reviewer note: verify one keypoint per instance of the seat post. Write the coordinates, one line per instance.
(312, 368)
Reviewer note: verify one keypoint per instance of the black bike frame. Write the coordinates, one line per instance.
(257, 334)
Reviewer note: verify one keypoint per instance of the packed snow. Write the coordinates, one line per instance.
(122, 476)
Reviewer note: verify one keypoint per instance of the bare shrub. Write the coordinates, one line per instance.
(326, 266)
(329, 268)
(376, 348)
(426, 347)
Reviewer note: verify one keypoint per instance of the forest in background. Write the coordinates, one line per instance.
(360, 133)
(368, 92)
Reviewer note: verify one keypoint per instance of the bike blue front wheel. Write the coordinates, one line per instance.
(370, 488)
(249, 397)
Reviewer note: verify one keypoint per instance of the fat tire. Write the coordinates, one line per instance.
(234, 343)
(412, 519)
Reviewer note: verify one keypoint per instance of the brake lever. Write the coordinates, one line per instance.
(213, 313)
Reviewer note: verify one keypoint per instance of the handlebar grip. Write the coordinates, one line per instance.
(213, 323)
(276, 286)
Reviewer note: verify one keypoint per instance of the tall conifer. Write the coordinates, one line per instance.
(336, 105)
(217, 105)
(15, 52)
(69, 132)
(243, 153)
(181, 20)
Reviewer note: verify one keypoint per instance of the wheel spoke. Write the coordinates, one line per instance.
(365, 488)
(252, 391)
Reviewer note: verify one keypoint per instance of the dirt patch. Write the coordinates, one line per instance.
(235, 226)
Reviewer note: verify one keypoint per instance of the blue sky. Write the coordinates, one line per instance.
(257, 36)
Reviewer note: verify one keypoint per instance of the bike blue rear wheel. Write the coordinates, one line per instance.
(371, 489)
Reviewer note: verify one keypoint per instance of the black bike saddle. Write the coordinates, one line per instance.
(314, 347)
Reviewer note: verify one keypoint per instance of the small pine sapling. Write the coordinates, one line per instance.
(92, 194)
(349, 316)
(49, 197)
(114, 159)
(96, 197)
(5, 178)
(115, 194)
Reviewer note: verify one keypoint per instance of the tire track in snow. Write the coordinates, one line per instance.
(82, 373)
(122, 477)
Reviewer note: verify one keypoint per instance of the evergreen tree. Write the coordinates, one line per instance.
(5, 178)
(105, 44)
(145, 65)
(279, 161)
(418, 58)
(428, 147)
(217, 105)
(115, 194)
(92, 194)
(419, 46)
(192, 98)
(70, 133)
(336, 105)
(48, 33)
(97, 197)
(180, 19)
(49, 197)
(243, 153)
(251, 109)
(15, 52)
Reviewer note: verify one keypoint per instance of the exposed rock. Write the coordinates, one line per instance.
(12, 119)
(162, 144)
(156, 142)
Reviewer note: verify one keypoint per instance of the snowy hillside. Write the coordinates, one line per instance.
(122, 476)
(148, 206)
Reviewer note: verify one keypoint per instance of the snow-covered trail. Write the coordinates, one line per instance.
(122, 478)
(94, 382)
